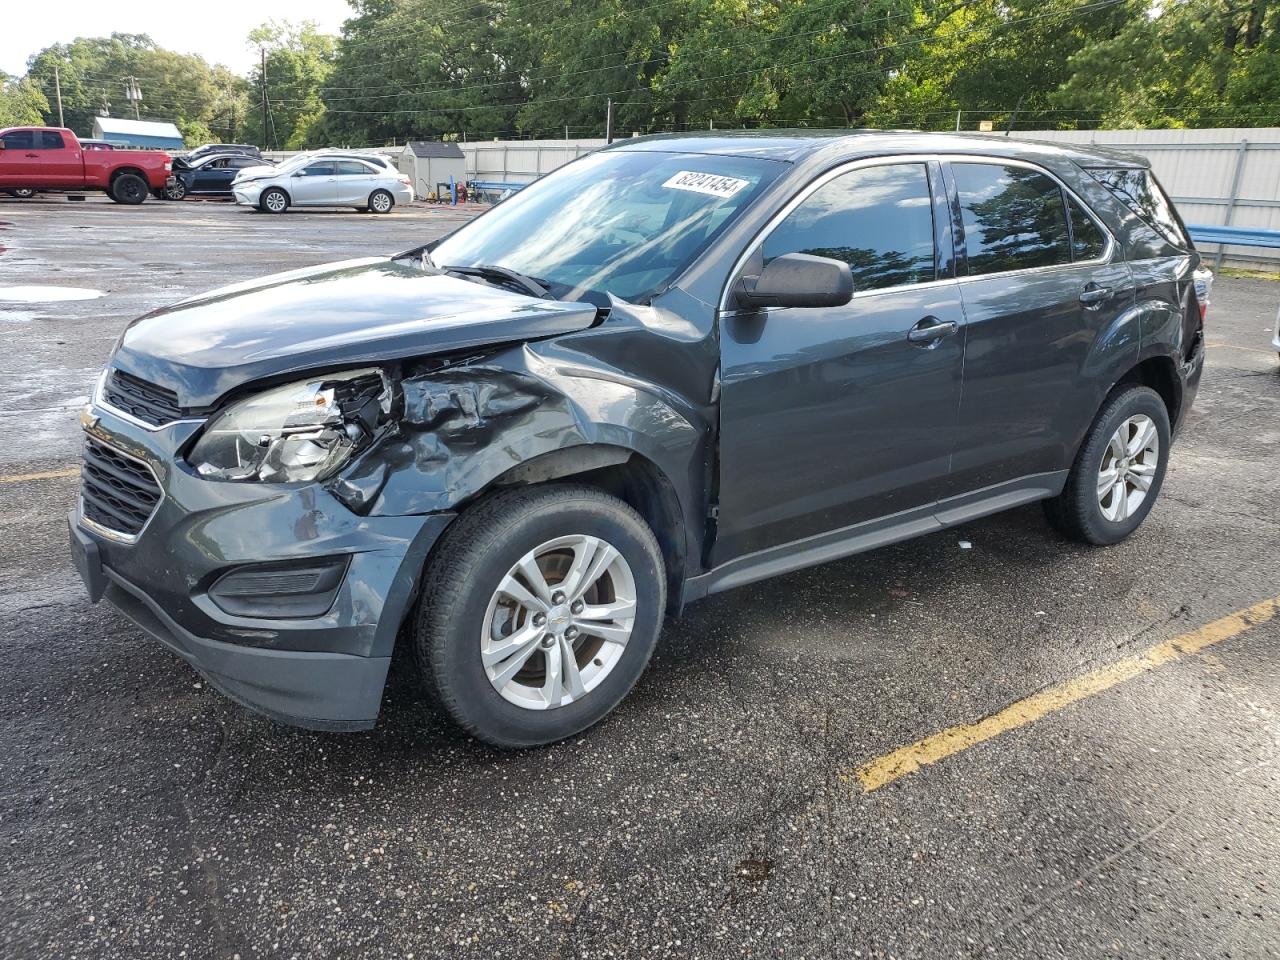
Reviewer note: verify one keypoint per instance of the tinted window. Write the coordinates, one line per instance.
(19, 140)
(318, 170)
(50, 140)
(349, 168)
(1013, 218)
(1138, 190)
(1087, 239)
(878, 220)
(240, 163)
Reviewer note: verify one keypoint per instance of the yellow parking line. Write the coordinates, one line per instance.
(44, 475)
(893, 766)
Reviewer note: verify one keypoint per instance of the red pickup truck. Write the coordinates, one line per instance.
(51, 158)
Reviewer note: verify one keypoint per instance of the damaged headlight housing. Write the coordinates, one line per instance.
(300, 432)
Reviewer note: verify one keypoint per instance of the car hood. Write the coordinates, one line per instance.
(336, 315)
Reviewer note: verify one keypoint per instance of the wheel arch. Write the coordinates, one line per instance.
(1161, 375)
(626, 474)
(119, 172)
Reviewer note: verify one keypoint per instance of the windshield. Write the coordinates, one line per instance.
(616, 222)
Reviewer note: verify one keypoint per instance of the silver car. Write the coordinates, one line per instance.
(322, 180)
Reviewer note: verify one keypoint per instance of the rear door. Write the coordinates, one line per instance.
(59, 160)
(834, 416)
(355, 182)
(1042, 283)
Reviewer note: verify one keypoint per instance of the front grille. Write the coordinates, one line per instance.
(144, 401)
(117, 492)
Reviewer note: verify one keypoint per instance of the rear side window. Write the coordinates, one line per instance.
(349, 168)
(50, 140)
(1014, 218)
(1138, 190)
(879, 220)
(1087, 239)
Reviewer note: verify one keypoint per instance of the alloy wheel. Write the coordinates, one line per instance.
(381, 203)
(558, 622)
(1128, 468)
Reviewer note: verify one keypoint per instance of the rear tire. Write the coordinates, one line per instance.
(380, 201)
(498, 664)
(274, 200)
(129, 189)
(1104, 499)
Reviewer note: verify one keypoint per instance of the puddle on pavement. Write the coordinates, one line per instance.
(44, 294)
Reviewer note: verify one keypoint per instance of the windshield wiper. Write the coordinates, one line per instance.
(532, 285)
(422, 254)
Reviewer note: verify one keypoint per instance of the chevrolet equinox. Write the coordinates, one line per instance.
(675, 366)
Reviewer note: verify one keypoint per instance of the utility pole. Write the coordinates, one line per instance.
(608, 121)
(133, 94)
(57, 86)
(265, 142)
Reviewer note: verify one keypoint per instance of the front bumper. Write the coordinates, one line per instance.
(322, 672)
(247, 194)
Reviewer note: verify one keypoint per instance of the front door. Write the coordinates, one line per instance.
(18, 160)
(314, 185)
(1041, 288)
(833, 417)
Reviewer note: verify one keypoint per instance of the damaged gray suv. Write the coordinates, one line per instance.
(675, 366)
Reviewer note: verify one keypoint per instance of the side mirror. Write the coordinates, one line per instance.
(797, 280)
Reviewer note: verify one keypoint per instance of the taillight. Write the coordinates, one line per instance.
(406, 181)
(1203, 280)
(168, 165)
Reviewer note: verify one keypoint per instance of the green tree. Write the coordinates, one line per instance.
(21, 102)
(299, 60)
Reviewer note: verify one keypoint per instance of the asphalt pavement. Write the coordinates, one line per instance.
(726, 809)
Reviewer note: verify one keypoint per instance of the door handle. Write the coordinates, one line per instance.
(930, 330)
(1094, 295)
(34, 156)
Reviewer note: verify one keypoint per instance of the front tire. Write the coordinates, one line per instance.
(129, 189)
(22, 193)
(539, 611)
(176, 190)
(274, 200)
(381, 202)
(1118, 473)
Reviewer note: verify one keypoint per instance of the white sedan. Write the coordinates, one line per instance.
(322, 181)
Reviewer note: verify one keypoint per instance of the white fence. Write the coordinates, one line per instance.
(521, 161)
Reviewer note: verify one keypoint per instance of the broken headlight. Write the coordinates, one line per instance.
(299, 432)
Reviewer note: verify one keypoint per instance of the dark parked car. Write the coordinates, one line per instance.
(675, 366)
(247, 149)
(210, 175)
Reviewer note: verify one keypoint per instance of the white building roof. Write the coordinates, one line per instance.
(137, 128)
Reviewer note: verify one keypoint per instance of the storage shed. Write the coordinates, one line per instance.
(137, 133)
(430, 162)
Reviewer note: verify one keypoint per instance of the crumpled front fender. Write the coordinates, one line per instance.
(465, 427)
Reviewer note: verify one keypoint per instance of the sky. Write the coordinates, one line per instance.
(219, 37)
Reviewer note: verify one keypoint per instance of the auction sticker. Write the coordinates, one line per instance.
(708, 183)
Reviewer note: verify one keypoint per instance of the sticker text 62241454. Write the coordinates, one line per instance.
(708, 183)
